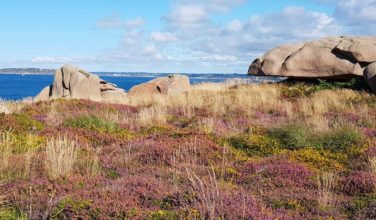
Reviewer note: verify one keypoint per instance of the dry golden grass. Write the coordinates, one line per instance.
(207, 125)
(326, 184)
(2, 197)
(61, 155)
(14, 165)
(9, 107)
(6, 141)
(207, 192)
(151, 116)
(54, 116)
(325, 101)
(372, 163)
(220, 99)
(87, 162)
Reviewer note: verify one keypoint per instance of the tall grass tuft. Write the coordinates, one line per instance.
(2, 197)
(61, 155)
(372, 163)
(326, 184)
(152, 116)
(207, 192)
(5, 152)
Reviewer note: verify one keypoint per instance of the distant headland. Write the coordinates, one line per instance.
(26, 71)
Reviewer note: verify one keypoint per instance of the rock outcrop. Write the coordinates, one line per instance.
(171, 84)
(338, 58)
(74, 83)
(370, 76)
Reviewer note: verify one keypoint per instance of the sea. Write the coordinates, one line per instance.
(21, 86)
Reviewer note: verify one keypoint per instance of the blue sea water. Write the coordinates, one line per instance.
(16, 86)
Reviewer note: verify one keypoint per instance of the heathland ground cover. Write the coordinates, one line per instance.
(269, 151)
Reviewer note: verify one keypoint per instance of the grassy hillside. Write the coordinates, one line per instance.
(217, 152)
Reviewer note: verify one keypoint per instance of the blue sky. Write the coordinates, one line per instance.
(168, 35)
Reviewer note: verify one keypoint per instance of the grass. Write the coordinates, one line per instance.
(271, 151)
(372, 165)
(61, 155)
(207, 192)
(93, 123)
(326, 184)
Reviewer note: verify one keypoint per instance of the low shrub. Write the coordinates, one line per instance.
(357, 182)
(19, 123)
(293, 136)
(70, 208)
(164, 214)
(342, 139)
(319, 160)
(291, 204)
(295, 91)
(11, 213)
(156, 130)
(94, 123)
(356, 84)
(255, 145)
(276, 172)
(362, 207)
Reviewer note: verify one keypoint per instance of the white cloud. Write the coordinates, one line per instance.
(211, 6)
(293, 23)
(135, 23)
(357, 17)
(187, 16)
(235, 26)
(62, 60)
(114, 22)
(109, 22)
(191, 40)
(163, 37)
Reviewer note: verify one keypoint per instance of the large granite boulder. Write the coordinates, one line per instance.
(74, 83)
(370, 76)
(328, 58)
(171, 84)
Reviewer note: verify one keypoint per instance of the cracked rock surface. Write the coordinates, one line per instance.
(74, 83)
(338, 58)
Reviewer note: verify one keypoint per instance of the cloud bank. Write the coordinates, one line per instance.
(192, 40)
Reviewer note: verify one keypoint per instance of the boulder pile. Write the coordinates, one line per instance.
(337, 58)
(74, 83)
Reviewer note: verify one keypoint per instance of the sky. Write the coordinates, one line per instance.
(180, 36)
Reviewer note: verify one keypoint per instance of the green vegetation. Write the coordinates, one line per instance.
(297, 136)
(306, 89)
(94, 123)
(255, 145)
(11, 213)
(70, 205)
(362, 207)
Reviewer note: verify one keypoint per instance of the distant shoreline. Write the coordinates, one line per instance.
(120, 74)
(29, 71)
